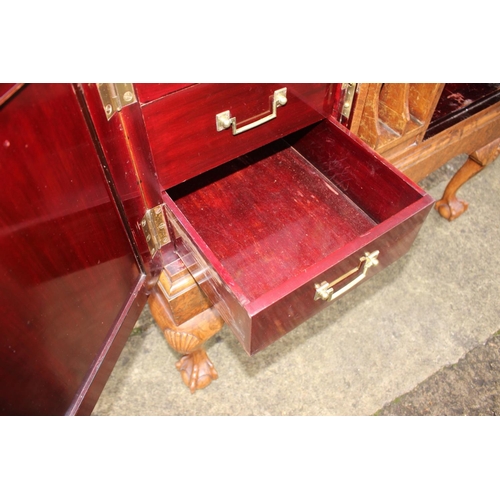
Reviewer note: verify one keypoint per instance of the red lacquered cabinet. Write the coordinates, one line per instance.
(71, 283)
(242, 203)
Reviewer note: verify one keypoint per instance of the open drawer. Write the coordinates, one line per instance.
(276, 235)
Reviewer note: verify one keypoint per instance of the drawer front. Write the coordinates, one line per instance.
(258, 324)
(182, 126)
(277, 318)
(147, 92)
(283, 232)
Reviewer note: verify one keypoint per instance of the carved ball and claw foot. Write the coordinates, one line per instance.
(197, 370)
(449, 206)
(187, 320)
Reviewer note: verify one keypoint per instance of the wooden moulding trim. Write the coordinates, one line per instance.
(358, 107)
(11, 90)
(423, 101)
(465, 137)
(389, 140)
(393, 108)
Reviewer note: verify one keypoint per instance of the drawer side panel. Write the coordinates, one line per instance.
(217, 285)
(363, 175)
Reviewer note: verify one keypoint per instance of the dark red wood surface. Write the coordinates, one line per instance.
(7, 90)
(369, 181)
(125, 154)
(147, 92)
(69, 278)
(101, 367)
(274, 315)
(182, 126)
(460, 101)
(268, 226)
(265, 233)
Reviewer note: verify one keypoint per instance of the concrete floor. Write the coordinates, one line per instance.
(470, 387)
(406, 325)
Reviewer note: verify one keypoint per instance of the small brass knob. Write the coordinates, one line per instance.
(281, 100)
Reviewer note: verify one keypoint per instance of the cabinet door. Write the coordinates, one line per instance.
(71, 286)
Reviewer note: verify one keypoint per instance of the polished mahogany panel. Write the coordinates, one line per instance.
(67, 270)
(7, 90)
(124, 151)
(147, 92)
(369, 181)
(182, 126)
(268, 216)
(268, 226)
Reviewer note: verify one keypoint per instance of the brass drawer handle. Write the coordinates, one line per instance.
(325, 290)
(223, 120)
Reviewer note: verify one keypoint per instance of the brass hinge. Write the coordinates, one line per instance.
(115, 96)
(348, 90)
(154, 226)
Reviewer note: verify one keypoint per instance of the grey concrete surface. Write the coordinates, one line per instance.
(375, 344)
(470, 387)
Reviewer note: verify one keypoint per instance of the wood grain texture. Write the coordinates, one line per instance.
(463, 137)
(449, 119)
(66, 266)
(392, 116)
(449, 206)
(365, 117)
(267, 226)
(126, 156)
(187, 337)
(147, 92)
(423, 99)
(7, 90)
(182, 128)
(266, 232)
(394, 111)
(369, 181)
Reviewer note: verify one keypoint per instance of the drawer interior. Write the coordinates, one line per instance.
(269, 215)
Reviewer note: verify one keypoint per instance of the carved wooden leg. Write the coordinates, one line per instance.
(449, 206)
(188, 320)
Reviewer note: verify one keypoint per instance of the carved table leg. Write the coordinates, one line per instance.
(187, 320)
(449, 206)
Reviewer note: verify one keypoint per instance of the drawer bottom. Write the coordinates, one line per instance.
(268, 216)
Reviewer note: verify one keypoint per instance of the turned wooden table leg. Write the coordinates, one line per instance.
(187, 320)
(449, 206)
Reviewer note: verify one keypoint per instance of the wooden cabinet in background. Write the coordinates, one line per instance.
(419, 127)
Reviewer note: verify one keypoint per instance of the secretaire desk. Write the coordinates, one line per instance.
(419, 127)
(250, 204)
